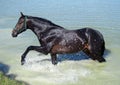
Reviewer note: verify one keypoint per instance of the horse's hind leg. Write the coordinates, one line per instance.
(93, 55)
(97, 52)
(95, 48)
(87, 52)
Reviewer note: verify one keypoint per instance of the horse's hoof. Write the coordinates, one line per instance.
(101, 60)
(54, 63)
(22, 62)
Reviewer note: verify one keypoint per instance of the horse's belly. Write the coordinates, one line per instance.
(59, 49)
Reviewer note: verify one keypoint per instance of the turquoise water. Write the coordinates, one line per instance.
(98, 14)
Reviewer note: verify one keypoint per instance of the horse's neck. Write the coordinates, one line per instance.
(38, 28)
(42, 25)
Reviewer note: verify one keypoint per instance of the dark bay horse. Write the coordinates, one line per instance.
(55, 39)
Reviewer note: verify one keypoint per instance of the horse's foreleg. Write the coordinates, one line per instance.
(36, 48)
(54, 58)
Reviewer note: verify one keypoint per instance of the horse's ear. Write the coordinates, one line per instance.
(22, 14)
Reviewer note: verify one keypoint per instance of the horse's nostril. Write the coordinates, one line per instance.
(14, 34)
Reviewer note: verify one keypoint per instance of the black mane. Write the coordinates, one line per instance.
(43, 20)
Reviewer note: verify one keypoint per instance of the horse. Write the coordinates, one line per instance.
(55, 39)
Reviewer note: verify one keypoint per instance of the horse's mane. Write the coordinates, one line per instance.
(43, 20)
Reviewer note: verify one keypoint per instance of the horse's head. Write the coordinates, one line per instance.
(21, 26)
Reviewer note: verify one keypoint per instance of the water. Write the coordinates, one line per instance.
(71, 69)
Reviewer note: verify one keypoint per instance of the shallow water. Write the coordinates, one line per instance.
(73, 69)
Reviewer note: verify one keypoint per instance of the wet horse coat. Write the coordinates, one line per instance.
(55, 39)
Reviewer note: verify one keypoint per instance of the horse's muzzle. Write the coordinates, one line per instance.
(14, 33)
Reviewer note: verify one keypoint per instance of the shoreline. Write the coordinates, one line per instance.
(8, 79)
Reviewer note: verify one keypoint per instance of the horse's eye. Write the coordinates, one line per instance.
(20, 22)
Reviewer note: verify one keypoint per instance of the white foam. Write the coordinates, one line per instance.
(63, 72)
